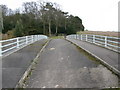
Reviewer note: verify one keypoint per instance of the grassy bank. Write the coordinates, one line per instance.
(107, 33)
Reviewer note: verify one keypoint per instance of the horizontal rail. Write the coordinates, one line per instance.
(8, 49)
(99, 39)
(10, 45)
(21, 40)
(8, 40)
(112, 43)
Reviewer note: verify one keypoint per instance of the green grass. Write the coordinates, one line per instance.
(57, 37)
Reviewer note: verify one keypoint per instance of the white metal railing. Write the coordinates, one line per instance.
(10, 45)
(112, 43)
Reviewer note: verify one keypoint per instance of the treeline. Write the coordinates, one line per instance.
(39, 18)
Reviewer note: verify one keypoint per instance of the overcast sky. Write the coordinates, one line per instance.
(97, 15)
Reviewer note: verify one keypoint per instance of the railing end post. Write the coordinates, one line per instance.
(81, 37)
(18, 42)
(93, 38)
(86, 37)
(0, 49)
(105, 41)
(26, 40)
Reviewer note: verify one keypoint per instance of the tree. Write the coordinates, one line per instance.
(8, 20)
(31, 9)
(4, 10)
(57, 17)
(30, 17)
(74, 24)
(18, 29)
(1, 20)
(49, 12)
(43, 16)
(40, 18)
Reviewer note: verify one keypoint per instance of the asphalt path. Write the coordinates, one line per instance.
(63, 65)
(107, 55)
(14, 65)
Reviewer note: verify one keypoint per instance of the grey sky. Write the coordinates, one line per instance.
(97, 15)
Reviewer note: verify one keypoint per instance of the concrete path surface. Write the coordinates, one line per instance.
(14, 65)
(107, 55)
(63, 65)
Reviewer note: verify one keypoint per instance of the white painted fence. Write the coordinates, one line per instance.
(11, 45)
(112, 43)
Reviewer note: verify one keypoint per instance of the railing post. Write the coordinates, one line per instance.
(105, 41)
(17, 42)
(76, 36)
(37, 37)
(26, 40)
(86, 37)
(81, 37)
(0, 49)
(32, 39)
(93, 38)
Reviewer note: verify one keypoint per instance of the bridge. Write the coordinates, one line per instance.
(77, 61)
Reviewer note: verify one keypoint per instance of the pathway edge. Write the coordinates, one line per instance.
(20, 83)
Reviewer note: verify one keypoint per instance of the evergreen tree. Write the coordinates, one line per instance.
(40, 18)
(18, 29)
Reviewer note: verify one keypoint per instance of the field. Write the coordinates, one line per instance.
(112, 34)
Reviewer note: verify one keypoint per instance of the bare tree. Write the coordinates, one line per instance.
(49, 12)
(31, 8)
(57, 15)
(43, 14)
